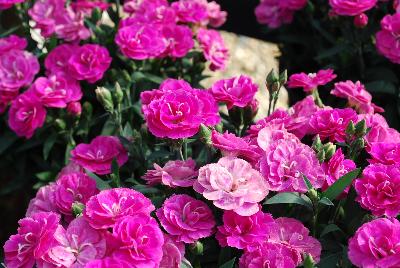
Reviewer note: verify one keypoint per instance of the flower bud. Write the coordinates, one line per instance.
(317, 144)
(197, 248)
(60, 124)
(358, 144)
(87, 109)
(361, 128)
(74, 108)
(321, 156)
(104, 97)
(361, 20)
(77, 208)
(205, 135)
(350, 129)
(272, 81)
(308, 261)
(119, 94)
(329, 149)
(96, 14)
(283, 77)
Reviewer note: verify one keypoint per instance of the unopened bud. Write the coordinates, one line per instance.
(350, 129)
(104, 97)
(119, 94)
(317, 144)
(283, 77)
(321, 156)
(359, 144)
(197, 248)
(329, 149)
(74, 108)
(205, 135)
(361, 20)
(272, 81)
(308, 261)
(77, 208)
(361, 128)
(60, 124)
(96, 14)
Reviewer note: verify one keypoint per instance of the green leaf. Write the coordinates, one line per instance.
(48, 145)
(100, 183)
(330, 261)
(289, 198)
(44, 176)
(329, 229)
(153, 78)
(229, 264)
(127, 132)
(307, 182)
(144, 189)
(338, 187)
(115, 172)
(325, 201)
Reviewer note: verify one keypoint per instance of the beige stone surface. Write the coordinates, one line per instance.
(254, 58)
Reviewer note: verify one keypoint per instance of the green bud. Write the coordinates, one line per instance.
(350, 129)
(321, 156)
(96, 15)
(126, 76)
(329, 149)
(205, 135)
(283, 77)
(197, 248)
(272, 82)
(77, 208)
(87, 109)
(104, 97)
(317, 144)
(361, 128)
(308, 261)
(219, 127)
(358, 144)
(313, 194)
(119, 94)
(60, 124)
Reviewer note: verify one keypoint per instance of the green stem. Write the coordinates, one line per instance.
(317, 98)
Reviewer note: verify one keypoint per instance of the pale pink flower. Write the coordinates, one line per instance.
(232, 184)
(376, 244)
(273, 255)
(378, 189)
(44, 201)
(387, 39)
(272, 133)
(244, 232)
(384, 153)
(186, 219)
(97, 156)
(173, 253)
(175, 173)
(351, 7)
(105, 208)
(12, 42)
(35, 237)
(216, 17)
(73, 187)
(214, 49)
(152, 11)
(311, 81)
(57, 60)
(357, 96)
(140, 239)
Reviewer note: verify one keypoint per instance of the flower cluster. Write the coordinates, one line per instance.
(274, 13)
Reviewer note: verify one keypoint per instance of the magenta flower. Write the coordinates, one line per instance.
(273, 255)
(97, 156)
(12, 42)
(173, 253)
(57, 60)
(141, 41)
(357, 96)
(231, 145)
(336, 167)
(376, 244)
(277, 120)
(378, 189)
(216, 17)
(174, 174)
(107, 207)
(385, 153)
(6, 4)
(34, 238)
(57, 90)
(74, 108)
(387, 39)
(311, 81)
(351, 7)
(70, 26)
(379, 130)
(244, 232)
(87, 6)
(109, 262)
(44, 201)
(331, 123)
(292, 234)
(286, 162)
(232, 184)
(26, 115)
(186, 219)
(45, 20)
(300, 114)
(89, 63)
(151, 11)
(176, 110)
(191, 11)
(73, 187)
(140, 240)
(179, 39)
(236, 91)
(214, 49)
(76, 246)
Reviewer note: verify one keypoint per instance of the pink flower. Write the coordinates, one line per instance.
(89, 63)
(231, 145)
(45, 20)
(73, 187)
(152, 11)
(76, 246)
(87, 6)
(17, 69)
(173, 253)
(74, 108)
(214, 49)
(216, 17)
(273, 255)
(26, 115)
(357, 96)
(379, 130)
(5, 4)
(278, 119)
(311, 81)
(387, 39)
(336, 167)
(57, 60)
(98, 155)
(237, 91)
(244, 232)
(351, 7)
(375, 244)
(232, 184)
(292, 234)
(186, 219)
(57, 90)
(141, 41)
(272, 133)
(176, 110)
(191, 11)
(378, 189)
(174, 174)
(300, 114)
(286, 162)
(109, 262)
(70, 26)
(140, 239)
(12, 42)
(34, 238)
(331, 123)
(385, 153)
(179, 39)
(44, 201)
(105, 208)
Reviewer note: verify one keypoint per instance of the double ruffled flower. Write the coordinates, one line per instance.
(311, 81)
(388, 38)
